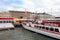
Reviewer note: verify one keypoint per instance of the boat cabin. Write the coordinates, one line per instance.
(55, 23)
(6, 23)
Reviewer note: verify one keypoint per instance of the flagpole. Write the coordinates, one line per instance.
(26, 14)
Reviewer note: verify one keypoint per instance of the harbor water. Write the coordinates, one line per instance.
(22, 34)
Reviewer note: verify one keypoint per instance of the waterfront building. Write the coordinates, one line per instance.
(21, 14)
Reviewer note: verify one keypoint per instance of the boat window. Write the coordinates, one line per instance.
(39, 26)
(30, 20)
(36, 26)
(43, 27)
(4, 21)
(56, 30)
(29, 25)
(51, 29)
(0, 21)
(9, 21)
(47, 28)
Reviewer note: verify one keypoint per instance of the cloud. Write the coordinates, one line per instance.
(48, 6)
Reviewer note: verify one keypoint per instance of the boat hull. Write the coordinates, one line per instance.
(6, 26)
(42, 32)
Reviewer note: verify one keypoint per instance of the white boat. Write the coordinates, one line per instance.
(6, 23)
(49, 30)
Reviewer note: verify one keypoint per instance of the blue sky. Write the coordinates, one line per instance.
(9, 4)
(48, 6)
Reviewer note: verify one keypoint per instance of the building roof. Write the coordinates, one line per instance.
(29, 12)
(19, 11)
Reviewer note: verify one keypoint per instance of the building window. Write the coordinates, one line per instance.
(21, 16)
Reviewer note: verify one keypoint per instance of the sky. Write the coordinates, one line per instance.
(49, 6)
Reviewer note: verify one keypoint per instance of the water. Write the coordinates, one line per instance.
(21, 34)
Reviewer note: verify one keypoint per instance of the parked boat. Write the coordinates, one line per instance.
(17, 22)
(48, 27)
(6, 23)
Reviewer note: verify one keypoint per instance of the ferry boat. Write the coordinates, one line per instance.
(6, 23)
(49, 28)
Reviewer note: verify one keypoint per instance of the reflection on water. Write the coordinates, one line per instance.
(21, 34)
